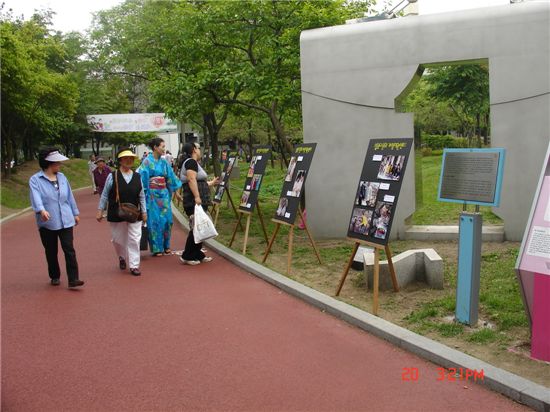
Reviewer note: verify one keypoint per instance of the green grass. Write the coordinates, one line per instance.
(14, 192)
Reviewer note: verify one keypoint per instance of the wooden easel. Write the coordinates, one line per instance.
(291, 240)
(216, 208)
(248, 216)
(376, 274)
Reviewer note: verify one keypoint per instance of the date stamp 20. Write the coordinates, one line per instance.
(445, 374)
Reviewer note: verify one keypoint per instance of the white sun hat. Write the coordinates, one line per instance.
(56, 157)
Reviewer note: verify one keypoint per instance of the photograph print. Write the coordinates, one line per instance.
(298, 183)
(244, 198)
(390, 167)
(360, 221)
(281, 209)
(255, 182)
(219, 193)
(366, 193)
(291, 167)
(381, 220)
(230, 165)
(252, 166)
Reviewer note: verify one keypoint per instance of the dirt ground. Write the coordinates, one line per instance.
(394, 307)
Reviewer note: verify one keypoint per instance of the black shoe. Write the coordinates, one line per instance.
(76, 283)
(121, 263)
(135, 272)
(55, 282)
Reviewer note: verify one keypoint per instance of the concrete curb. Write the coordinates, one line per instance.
(513, 386)
(430, 233)
(28, 209)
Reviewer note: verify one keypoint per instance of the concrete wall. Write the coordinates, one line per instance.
(351, 76)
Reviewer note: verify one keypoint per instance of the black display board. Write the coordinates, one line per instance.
(254, 178)
(378, 190)
(230, 163)
(295, 178)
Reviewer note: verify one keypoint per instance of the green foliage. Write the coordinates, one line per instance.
(443, 142)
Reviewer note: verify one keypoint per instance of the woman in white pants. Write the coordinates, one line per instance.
(125, 235)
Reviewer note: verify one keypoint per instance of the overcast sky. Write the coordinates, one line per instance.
(77, 14)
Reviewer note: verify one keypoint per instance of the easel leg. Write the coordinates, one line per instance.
(246, 233)
(290, 241)
(392, 269)
(262, 221)
(375, 281)
(346, 270)
(236, 227)
(217, 206)
(230, 200)
(271, 242)
(310, 237)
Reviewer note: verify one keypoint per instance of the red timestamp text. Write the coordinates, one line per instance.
(445, 374)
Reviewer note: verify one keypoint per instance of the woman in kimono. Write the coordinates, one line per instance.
(159, 183)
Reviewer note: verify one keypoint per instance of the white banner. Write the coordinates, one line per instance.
(131, 122)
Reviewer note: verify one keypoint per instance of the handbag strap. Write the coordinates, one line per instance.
(115, 176)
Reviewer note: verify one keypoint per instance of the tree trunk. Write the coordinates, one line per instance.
(279, 131)
(213, 131)
(268, 130)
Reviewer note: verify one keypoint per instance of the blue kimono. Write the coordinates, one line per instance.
(158, 196)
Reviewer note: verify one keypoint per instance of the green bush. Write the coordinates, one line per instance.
(438, 142)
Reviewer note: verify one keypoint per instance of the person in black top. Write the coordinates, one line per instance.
(196, 191)
(126, 236)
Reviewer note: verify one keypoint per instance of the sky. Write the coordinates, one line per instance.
(77, 14)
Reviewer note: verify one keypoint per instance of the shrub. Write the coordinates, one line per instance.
(436, 142)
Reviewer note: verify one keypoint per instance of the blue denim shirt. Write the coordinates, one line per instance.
(60, 204)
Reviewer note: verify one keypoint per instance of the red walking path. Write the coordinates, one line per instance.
(210, 337)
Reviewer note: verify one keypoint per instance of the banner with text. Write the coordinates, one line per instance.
(131, 122)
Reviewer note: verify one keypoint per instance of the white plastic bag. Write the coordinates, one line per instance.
(203, 228)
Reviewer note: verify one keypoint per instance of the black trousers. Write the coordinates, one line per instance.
(192, 250)
(49, 241)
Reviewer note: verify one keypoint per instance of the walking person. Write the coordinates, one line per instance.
(159, 183)
(125, 185)
(91, 168)
(101, 172)
(196, 191)
(56, 214)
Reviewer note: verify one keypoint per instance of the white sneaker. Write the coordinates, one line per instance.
(203, 250)
(207, 259)
(190, 262)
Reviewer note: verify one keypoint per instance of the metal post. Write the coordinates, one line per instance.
(469, 265)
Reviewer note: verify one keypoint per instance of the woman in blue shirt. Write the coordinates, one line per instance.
(56, 213)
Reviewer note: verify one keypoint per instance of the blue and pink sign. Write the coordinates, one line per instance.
(533, 267)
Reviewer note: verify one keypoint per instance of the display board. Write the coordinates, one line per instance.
(378, 190)
(294, 183)
(230, 162)
(533, 266)
(471, 176)
(254, 177)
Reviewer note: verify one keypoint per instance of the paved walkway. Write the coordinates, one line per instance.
(210, 337)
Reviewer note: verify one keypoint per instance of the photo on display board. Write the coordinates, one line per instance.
(291, 167)
(230, 166)
(366, 193)
(360, 221)
(222, 178)
(390, 167)
(244, 198)
(381, 220)
(252, 166)
(255, 182)
(298, 183)
(219, 193)
(281, 209)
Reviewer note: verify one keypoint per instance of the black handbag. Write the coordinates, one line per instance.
(144, 242)
(127, 212)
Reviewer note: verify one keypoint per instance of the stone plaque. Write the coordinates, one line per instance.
(470, 176)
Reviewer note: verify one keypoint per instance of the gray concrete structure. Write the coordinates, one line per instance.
(415, 265)
(354, 75)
